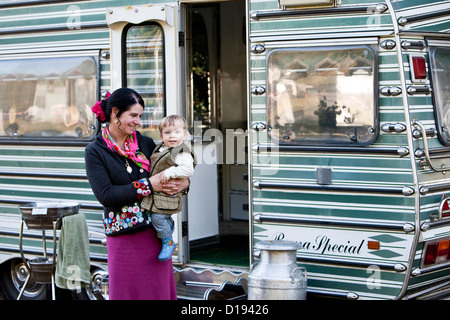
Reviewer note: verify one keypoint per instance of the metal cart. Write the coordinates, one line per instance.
(43, 216)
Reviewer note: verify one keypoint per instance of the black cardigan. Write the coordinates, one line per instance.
(106, 171)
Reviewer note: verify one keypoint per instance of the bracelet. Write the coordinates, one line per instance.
(143, 187)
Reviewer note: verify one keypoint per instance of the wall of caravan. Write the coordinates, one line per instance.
(373, 194)
(46, 169)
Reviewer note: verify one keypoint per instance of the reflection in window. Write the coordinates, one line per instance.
(322, 95)
(145, 73)
(440, 63)
(48, 97)
(202, 82)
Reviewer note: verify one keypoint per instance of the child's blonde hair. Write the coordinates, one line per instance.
(171, 120)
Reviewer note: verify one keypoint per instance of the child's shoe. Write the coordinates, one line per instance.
(168, 247)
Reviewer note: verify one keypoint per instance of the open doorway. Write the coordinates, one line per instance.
(216, 98)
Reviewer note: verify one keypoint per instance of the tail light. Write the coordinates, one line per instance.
(418, 68)
(444, 207)
(437, 252)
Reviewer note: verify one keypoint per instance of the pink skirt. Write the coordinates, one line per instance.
(135, 273)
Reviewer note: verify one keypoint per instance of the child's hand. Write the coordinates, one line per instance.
(162, 178)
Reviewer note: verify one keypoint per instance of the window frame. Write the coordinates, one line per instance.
(57, 140)
(376, 115)
(124, 59)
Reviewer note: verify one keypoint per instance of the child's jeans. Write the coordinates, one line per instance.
(163, 224)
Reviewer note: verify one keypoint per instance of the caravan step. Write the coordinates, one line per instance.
(206, 284)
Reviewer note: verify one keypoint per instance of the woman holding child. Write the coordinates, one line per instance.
(118, 169)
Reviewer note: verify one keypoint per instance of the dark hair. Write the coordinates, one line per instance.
(122, 99)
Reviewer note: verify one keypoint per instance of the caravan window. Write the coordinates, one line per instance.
(322, 95)
(145, 73)
(440, 66)
(48, 97)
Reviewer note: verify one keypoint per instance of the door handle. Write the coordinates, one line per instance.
(426, 152)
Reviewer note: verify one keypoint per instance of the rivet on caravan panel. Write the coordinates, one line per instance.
(257, 48)
(403, 151)
(407, 191)
(399, 267)
(408, 227)
(388, 44)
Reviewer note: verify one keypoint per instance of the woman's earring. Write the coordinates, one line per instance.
(116, 121)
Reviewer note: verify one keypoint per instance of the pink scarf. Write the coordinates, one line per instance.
(131, 149)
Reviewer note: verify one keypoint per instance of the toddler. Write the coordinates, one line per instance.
(171, 159)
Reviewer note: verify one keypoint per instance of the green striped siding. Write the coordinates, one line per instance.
(346, 23)
(45, 171)
(57, 15)
(414, 7)
(42, 169)
(305, 25)
(362, 169)
(24, 188)
(355, 206)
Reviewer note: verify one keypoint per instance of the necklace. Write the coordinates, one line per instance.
(127, 165)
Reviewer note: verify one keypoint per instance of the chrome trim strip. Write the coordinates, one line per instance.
(407, 191)
(432, 292)
(85, 206)
(418, 17)
(377, 8)
(425, 189)
(51, 28)
(394, 266)
(404, 226)
(434, 224)
(28, 3)
(420, 271)
(333, 294)
(402, 151)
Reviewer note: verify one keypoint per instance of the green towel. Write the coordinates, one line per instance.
(72, 263)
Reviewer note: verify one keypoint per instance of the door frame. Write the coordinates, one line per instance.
(168, 17)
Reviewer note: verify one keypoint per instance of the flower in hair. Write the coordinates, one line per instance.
(97, 108)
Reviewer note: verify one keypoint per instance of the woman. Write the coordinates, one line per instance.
(117, 167)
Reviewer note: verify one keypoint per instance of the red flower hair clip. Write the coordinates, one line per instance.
(97, 108)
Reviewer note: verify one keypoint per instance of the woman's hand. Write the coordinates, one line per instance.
(171, 187)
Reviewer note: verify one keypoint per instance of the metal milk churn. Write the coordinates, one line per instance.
(277, 276)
